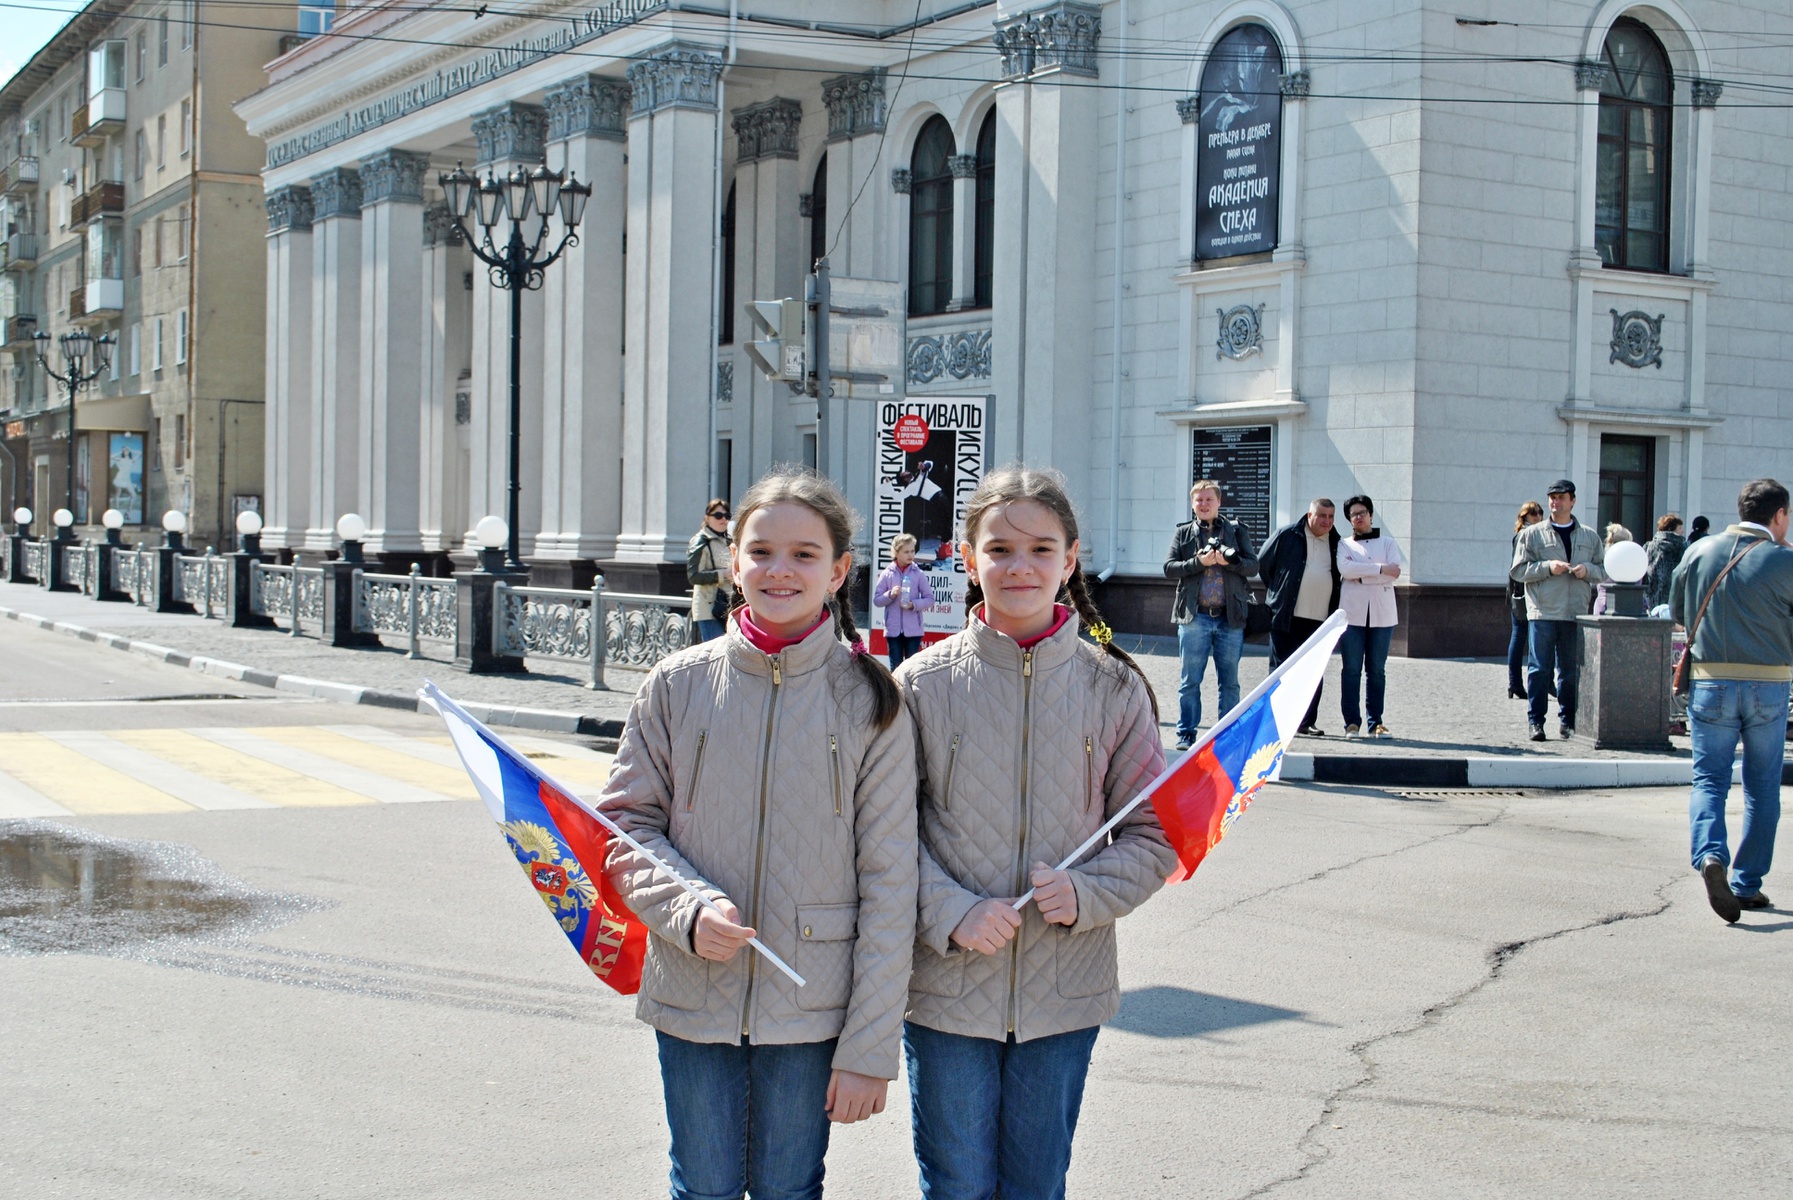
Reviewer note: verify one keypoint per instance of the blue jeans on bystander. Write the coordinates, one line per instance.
(1721, 713)
(708, 630)
(1365, 653)
(746, 1118)
(1202, 636)
(1517, 649)
(995, 1118)
(1558, 643)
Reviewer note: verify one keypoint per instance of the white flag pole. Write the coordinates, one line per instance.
(436, 698)
(1335, 621)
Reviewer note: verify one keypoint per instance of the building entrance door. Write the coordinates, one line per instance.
(1628, 484)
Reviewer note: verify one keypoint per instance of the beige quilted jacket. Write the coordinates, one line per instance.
(760, 777)
(1023, 755)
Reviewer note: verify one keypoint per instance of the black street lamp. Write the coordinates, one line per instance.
(77, 348)
(517, 265)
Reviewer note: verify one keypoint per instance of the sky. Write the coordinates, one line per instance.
(29, 24)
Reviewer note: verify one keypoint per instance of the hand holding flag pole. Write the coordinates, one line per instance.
(1285, 708)
(479, 748)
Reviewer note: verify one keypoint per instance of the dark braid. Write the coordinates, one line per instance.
(887, 701)
(974, 596)
(1077, 588)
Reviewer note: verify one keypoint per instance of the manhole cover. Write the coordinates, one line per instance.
(65, 890)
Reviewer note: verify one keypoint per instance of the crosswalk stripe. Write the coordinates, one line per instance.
(17, 800)
(275, 786)
(78, 783)
(379, 760)
(377, 788)
(140, 762)
(427, 749)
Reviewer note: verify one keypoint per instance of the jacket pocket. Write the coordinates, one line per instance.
(834, 767)
(938, 974)
(697, 770)
(952, 763)
(826, 934)
(1091, 796)
(1086, 963)
(674, 977)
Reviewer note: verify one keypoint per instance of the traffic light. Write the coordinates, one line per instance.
(779, 350)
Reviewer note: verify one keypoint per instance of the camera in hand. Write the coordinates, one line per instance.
(1213, 544)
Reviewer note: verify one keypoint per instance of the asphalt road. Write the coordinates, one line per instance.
(1361, 993)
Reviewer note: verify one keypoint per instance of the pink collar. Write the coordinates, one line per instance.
(1060, 614)
(771, 643)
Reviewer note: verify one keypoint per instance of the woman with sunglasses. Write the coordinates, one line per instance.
(706, 568)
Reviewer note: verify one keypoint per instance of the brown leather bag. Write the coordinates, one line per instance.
(1684, 668)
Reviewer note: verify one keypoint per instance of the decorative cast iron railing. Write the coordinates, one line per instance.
(81, 569)
(202, 580)
(5, 558)
(134, 574)
(37, 562)
(556, 623)
(413, 605)
(295, 592)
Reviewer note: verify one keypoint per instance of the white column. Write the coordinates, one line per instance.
(672, 219)
(771, 261)
(392, 334)
(964, 169)
(335, 352)
(447, 314)
(287, 490)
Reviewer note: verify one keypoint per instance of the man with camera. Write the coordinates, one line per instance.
(1210, 557)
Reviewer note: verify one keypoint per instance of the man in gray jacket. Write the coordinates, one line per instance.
(1742, 663)
(1559, 561)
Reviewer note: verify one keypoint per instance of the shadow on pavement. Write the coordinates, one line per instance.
(1174, 1012)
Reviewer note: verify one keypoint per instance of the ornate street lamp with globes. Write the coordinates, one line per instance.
(516, 263)
(77, 349)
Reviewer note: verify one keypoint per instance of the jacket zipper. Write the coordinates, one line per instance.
(759, 845)
(834, 757)
(697, 770)
(1021, 844)
(952, 764)
(1089, 768)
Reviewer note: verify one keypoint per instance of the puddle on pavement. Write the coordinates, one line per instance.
(65, 890)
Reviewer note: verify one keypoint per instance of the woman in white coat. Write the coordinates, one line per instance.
(1369, 564)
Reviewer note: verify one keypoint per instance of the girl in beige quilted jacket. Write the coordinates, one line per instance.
(774, 767)
(1029, 738)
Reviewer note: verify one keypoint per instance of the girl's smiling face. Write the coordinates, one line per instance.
(1021, 560)
(784, 564)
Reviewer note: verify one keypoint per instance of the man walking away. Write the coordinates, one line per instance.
(1559, 561)
(1300, 569)
(1742, 650)
(1665, 551)
(1210, 557)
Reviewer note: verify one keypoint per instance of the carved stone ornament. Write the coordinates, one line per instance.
(512, 132)
(336, 194)
(1297, 84)
(463, 408)
(1636, 339)
(806, 205)
(438, 227)
(1241, 332)
(1707, 91)
(902, 180)
(678, 75)
(591, 106)
(1189, 109)
(1590, 75)
(289, 210)
(855, 104)
(963, 166)
(960, 355)
(767, 130)
(725, 382)
(1060, 37)
(395, 175)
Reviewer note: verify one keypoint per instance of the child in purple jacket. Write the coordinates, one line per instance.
(903, 593)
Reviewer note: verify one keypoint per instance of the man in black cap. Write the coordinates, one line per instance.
(1559, 561)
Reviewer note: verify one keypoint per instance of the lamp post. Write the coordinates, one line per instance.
(77, 348)
(516, 264)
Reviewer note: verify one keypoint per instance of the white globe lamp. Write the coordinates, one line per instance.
(1626, 562)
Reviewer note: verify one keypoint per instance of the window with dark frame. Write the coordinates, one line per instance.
(931, 220)
(984, 243)
(1631, 189)
(1628, 484)
(725, 329)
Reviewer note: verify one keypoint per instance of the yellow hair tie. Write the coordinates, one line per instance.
(1102, 634)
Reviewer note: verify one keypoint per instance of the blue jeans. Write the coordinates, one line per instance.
(1365, 652)
(995, 1118)
(746, 1118)
(1203, 636)
(708, 630)
(1720, 713)
(902, 646)
(1557, 642)
(1516, 652)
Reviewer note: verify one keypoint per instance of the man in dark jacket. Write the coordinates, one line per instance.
(1210, 557)
(1300, 569)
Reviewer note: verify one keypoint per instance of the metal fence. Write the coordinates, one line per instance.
(296, 593)
(37, 562)
(202, 581)
(556, 623)
(417, 607)
(5, 558)
(81, 569)
(134, 574)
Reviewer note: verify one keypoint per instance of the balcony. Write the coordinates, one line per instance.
(19, 176)
(97, 300)
(17, 333)
(103, 199)
(102, 116)
(19, 252)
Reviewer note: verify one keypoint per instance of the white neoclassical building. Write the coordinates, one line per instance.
(1440, 254)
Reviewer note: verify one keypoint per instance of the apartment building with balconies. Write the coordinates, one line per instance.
(131, 206)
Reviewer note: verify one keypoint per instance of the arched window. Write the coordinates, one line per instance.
(1238, 156)
(1631, 190)
(931, 220)
(725, 332)
(984, 257)
(818, 214)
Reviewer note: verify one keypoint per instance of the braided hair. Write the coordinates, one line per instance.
(787, 484)
(1046, 488)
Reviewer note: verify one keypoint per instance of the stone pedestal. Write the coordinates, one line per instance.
(242, 610)
(108, 582)
(58, 555)
(16, 563)
(475, 602)
(167, 571)
(1625, 666)
(339, 605)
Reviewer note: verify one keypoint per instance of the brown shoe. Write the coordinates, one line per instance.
(1718, 890)
(1759, 900)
